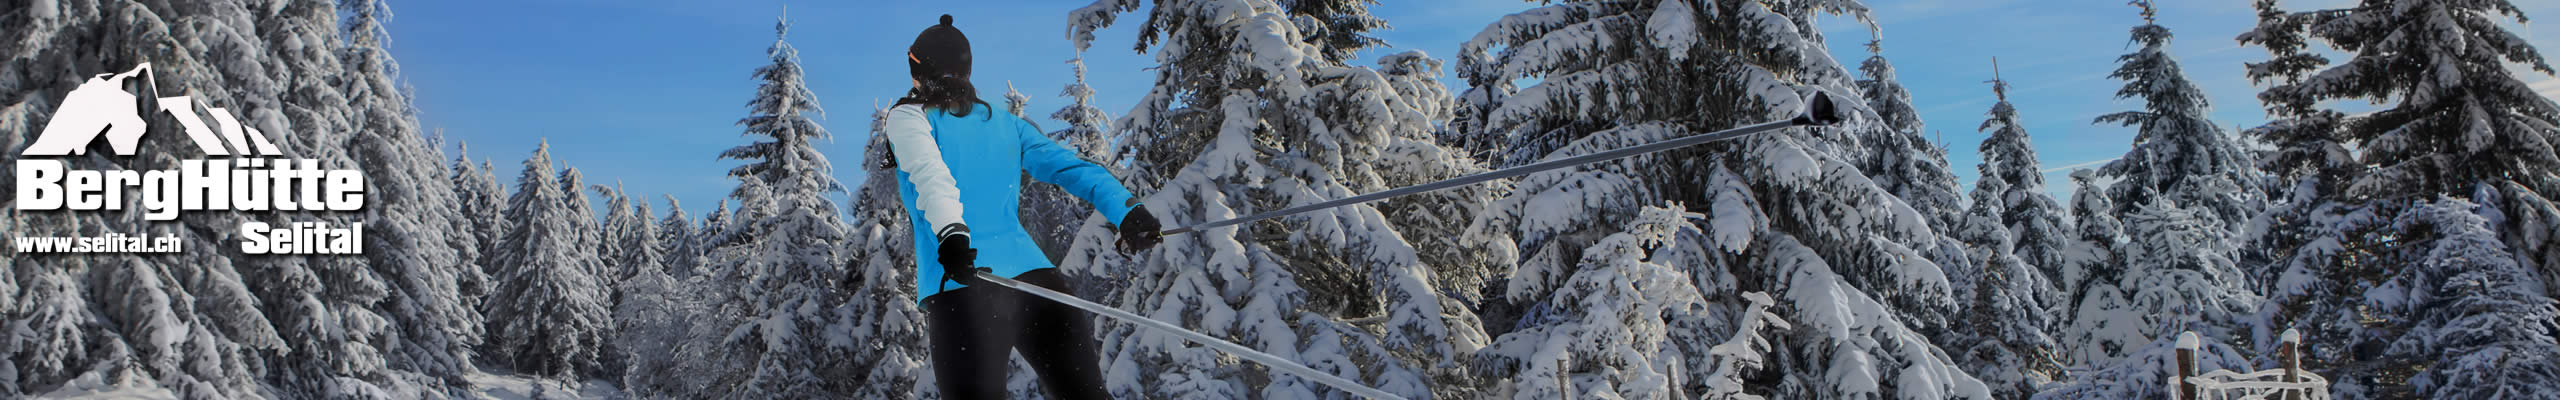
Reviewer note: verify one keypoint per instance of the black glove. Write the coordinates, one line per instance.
(1139, 230)
(959, 262)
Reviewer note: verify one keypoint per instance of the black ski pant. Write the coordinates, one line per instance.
(977, 328)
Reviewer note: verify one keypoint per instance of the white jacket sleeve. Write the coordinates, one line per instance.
(911, 140)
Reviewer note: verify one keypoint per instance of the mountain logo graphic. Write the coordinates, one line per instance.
(101, 107)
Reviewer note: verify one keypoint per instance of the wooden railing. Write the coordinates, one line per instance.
(2287, 382)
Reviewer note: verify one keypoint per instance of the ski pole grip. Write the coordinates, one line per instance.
(1819, 111)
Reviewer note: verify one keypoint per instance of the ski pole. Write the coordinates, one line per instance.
(1266, 359)
(1819, 111)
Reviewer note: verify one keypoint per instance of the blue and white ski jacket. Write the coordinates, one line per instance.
(946, 161)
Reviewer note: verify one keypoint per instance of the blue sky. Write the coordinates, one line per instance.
(646, 92)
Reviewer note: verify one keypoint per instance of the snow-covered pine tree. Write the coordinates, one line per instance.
(787, 245)
(2456, 125)
(200, 323)
(715, 226)
(117, 317)
(599, 262)
(783, 110)
(2461, 122)
(1338, 29)
(411, 215)
(1088, 127)
(709, 240)
(582, 216)
(2178, 276)
(627, 225)
(1468, 130)
(1464, 256)
(1608, 329)
(2475, 327)
(1900, 159)
(2309, 162)
(549, 315)
(880, 314)
(467, 247)
(1782, 210)
(629, 245)
(2178, 154)
(628, 230)
(312, 301)
(2033, 217)
(1983, 235)
(324, 307)
(1446, 228)
(1907, 165)
(661, 310)
(16, 118)
(1253, 111)
(724, 304)
(1747, 352)
(639, 236)
(617, 210)
(678, 243)
(652, 308)
(2355, 301)
(483, 203)
(51, 348)
(2092, 314)
(2003, 337)
(2322, 297)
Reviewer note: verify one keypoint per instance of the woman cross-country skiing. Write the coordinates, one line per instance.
(975, 328)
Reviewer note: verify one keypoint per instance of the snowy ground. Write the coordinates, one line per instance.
(110, 393)
(493, 385)
(95, 387)
(503, 385)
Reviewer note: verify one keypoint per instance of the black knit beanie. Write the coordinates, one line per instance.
(940, 52)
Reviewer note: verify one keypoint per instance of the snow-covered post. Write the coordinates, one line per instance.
(2288, 352)
(2187, 344)
(1562, 372)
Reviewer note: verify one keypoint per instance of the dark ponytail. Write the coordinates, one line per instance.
(951, 94)
(939, 62)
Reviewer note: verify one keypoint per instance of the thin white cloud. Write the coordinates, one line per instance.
(2549, 88)
(2219, 50)
(2083, 164)
(1984, 101)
